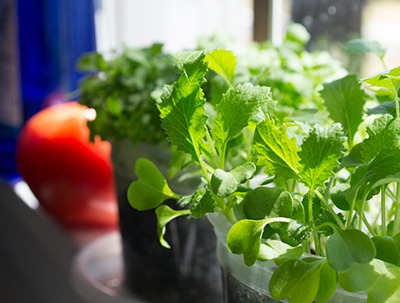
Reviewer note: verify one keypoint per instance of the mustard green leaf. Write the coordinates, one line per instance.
(182, 107)
(344, 248)
(327, 283)
(201, 203)
(278, 251)
(223, 62)
(383, 134)
(345, 99)
(388, 81)
(225, 183)
(150, 189)
(296, 280)
(244, 237)
(380, 280)
(165, 214)
(362, 46)
(320, 154)
(239, 107)
(274, 150)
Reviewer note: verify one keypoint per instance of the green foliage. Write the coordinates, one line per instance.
(151, 188)
(345, 100)
(326, 184)
(121, 90)
(275, 151)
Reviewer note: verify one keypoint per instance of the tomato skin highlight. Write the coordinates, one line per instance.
(71, 177)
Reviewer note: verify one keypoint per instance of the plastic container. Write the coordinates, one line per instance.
(189, 271)
(97, 273)
(244, 284)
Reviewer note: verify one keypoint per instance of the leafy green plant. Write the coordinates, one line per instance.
(322, 200)
(123, 91)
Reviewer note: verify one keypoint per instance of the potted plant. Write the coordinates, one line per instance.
(123, 90)
(305, 211)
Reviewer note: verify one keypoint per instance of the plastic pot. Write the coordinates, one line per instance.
(189, 272)
(244, 284)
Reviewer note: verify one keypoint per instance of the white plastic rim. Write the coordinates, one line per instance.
(97, 272)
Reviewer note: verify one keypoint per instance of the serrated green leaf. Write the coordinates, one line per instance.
(238, 107)
(388, 80)
(182, 108)
(151, 188)
(201, 203)
(223, 62)
(345, 100)
(383, 134)
(274, 150)
(385, 167)
(289, 281)
(319, 154)
(347, 247)
(362, 46)
(165, 214)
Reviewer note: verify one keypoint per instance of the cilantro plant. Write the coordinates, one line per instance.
(320, 200)
(123, 91)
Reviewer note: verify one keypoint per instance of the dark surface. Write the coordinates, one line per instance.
(35, 255)
(188, 272)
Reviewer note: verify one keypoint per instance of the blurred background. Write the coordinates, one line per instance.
(41, 41)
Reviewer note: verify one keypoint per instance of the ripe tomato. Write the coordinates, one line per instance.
(70, 176)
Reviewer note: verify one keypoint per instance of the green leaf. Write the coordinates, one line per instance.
(274, 150)
(267, 202)
(345, 100)
(165, 214)
(384, 168)
(383, 134)
(201, 203)
(223, 62)
(362, 46)
(388, 81)
(238, 107)
(327, 283)
(244, 237)
(91, 62)
(319, 154)
(296, 280)
(347, 247)
(182, 108)
(383, 108)
(379, 279)
(225, 183)
(151, 188)
(278, 251)
(387, 249)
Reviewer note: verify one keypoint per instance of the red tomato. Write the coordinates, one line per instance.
(71, 177)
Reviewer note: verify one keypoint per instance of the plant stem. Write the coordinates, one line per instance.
(329, 208)
(361, 213)
(396, 225)
(351, 210)
(383, 209)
